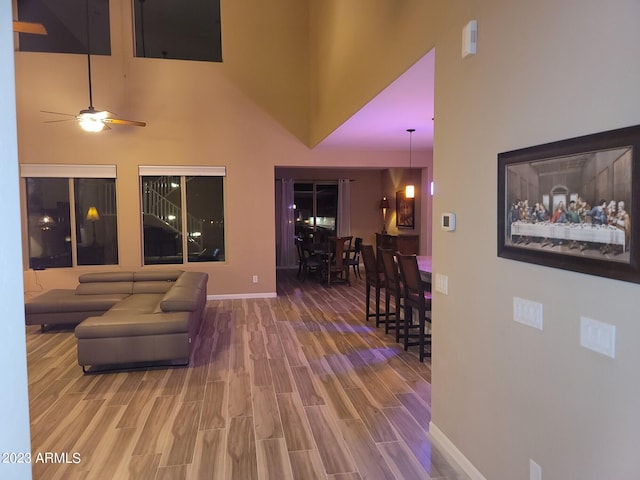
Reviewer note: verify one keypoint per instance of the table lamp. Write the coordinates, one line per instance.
(93, 216)
(384, 204)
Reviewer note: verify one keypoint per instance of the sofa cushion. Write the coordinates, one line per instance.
(180, 299)
(61, 300)
(104, 288)
(187, 293)
(157, 275)
(106, 277)
(160, 286)
(127, 325)
(192, 280)
(136, 304)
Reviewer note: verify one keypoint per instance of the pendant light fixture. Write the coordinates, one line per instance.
(410, 189)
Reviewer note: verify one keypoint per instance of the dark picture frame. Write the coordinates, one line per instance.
(589, 188)
(405, 211)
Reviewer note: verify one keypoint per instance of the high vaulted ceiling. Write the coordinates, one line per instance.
(383, 122)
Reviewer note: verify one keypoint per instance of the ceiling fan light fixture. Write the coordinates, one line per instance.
(91, 124)
(92, 121)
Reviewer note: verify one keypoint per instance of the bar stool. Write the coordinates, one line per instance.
(415, 297)
(392, 287)
(373, 278)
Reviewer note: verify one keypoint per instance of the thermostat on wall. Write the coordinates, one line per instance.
(448, 221)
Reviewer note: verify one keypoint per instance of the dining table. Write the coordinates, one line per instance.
(424, 265)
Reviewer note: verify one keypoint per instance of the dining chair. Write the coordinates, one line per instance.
(392, 288)
(307, 263)
(418, 298)
(298, 241)
(354, 261)
(337, 264)
(374, 278)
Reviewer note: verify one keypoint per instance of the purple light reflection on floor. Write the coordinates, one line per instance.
(370, 356)
(336, 327)
(423, 454)
(389, 352)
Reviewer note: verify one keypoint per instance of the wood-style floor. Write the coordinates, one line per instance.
(294, 387)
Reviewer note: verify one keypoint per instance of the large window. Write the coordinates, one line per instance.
(170, 29)
(62, 236)
(66, 24)
(183, 214)
(177, 29)
(316, 210)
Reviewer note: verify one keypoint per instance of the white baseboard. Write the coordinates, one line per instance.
(447, 445)
(236, 296)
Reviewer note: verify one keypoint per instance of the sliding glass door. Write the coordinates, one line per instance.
(316, 210)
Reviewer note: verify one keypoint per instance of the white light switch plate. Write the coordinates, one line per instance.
(527, 312)
(442, 284)
(535, 471)
(598, 336)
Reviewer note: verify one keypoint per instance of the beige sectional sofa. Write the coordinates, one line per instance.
(128, 317)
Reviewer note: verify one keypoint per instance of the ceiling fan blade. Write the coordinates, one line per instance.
(58, 113)
(29, 27)
(56, 121)
(120, 121)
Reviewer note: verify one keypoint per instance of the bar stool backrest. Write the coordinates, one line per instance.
(391, 274)
(370, 264)
(414, 290)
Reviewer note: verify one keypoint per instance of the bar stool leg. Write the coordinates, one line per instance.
(398, 320)
(421, 312)
(367, 301)
(387, 302)
(377, 305)
(408, 314)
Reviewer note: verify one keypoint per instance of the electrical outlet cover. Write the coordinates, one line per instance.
(598, 336)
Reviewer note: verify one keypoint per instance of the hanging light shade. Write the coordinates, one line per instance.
(410, 189)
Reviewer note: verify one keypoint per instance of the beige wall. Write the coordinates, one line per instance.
(505, 393)
(198, 113)
(265, 48)
(502, 393)
(359, 47)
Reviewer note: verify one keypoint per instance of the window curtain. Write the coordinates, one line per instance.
(344, 207)
(287, 253)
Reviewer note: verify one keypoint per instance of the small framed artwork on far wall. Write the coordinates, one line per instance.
(405, 211)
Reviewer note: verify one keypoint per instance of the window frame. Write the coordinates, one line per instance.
(162, 24)
(314, 214)
(70, 172)
(182, 172)
(66, 24)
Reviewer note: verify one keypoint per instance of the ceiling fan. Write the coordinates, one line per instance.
(90, 119)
